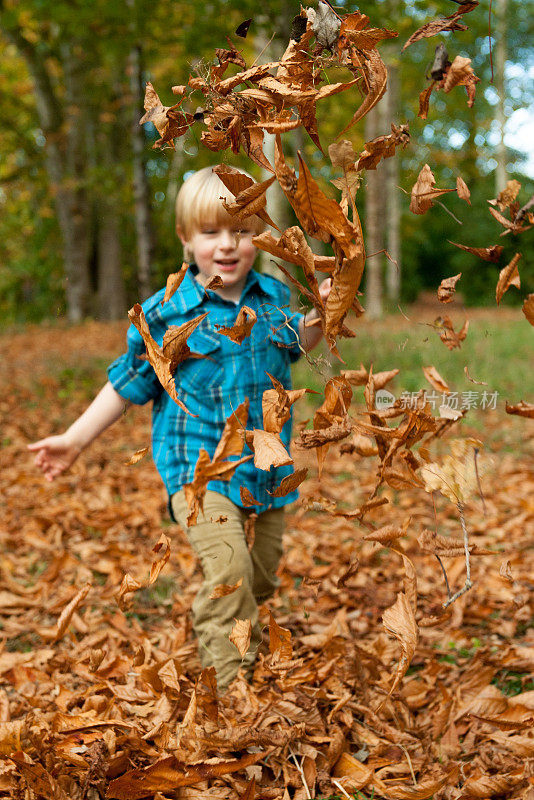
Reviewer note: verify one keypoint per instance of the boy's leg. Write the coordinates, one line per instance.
(266, 552)
(224, 557)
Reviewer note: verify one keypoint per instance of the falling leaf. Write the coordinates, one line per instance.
(435, 380)
(66, 615)
(249, 195)
(423, 191)
(491, 254)
(399, 620)
(508, 276)
(383, 147)
(289, 483)
(242, 327)
(269, 450)
(242, 28)
(448, 335)
(159, 563)
(507, 196)
(160, 362)
(447, 288)
(528, 308)
(136, 457)
(247, 498)
(279, 641)
(325, 25)
(173, 282)
(522, 409)
(460, 73)
(387, 534)
(240, 635)
(224, 589)
(216, 282)
(462, 190)
(456, 478)
(442, 24)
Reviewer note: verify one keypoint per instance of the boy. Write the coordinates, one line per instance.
(211, 388)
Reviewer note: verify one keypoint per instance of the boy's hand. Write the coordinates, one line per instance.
(54, 454)
(324, 289)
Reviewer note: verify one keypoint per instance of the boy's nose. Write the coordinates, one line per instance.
(227, 239)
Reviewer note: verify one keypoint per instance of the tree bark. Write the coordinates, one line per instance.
(374, 219)
(64, 164)
(500, 66)
(392, 193)
(142, 212)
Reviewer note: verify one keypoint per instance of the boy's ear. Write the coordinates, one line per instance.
(180, 235)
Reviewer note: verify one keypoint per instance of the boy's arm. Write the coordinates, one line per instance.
(56, 453)
(310, 336)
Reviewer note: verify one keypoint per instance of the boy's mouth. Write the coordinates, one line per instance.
(227, 265)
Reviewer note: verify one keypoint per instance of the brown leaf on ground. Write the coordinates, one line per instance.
(522, 409)
(240, 635)
(173, 282)
(423, 191)
(290, 483)
(169, 773)
(442, 24)
(357, 774)
(491, 254)
(508, 276)
(435, 379)
(528, 308)
(447, 288)
(224, 589)
(247, 498)
(242, 327)
(448, 335)
(136, 457)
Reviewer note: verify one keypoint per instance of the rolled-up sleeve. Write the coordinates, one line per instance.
(131, 376)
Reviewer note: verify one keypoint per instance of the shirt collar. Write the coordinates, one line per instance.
(191, 293)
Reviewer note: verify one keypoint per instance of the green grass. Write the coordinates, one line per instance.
(498, 353)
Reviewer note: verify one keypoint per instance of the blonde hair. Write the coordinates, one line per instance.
(199, 203)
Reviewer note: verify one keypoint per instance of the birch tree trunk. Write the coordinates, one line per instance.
(143, 217)
(392, 192)
(500, 66)
(374, 219)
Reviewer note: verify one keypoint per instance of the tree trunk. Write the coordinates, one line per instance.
(143, 217)
(64, 164)
(374, 218)
(392, 192)
(500, 66)
(111, 294)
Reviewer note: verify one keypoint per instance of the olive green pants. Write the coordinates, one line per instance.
(225, 558)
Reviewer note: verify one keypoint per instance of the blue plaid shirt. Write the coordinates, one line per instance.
(213, 387)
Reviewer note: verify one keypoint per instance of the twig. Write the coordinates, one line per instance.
(299, 767)
(478, 481)
(459, 221)
(409, 760)
(489, 41)
(468, 584)
(340, 787)
(444, 575)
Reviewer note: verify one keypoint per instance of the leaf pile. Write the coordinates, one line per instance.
(102, 701)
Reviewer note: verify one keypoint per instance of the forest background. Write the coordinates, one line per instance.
(87, 206)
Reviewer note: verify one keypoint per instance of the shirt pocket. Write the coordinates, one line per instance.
(202, 377)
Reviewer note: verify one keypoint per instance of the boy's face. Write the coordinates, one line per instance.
(224, 250)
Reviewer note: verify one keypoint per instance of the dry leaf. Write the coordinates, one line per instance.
(224, 589)
(508, 276)
(447, 288)
(448, 335)
(136, 457)
(491, 254)
(435, 380)
(242, 327)
(423, 191)
(528, 308)
(469, 378)
(173, 282)
(240, 635)
(399, 620)
(289, 483)
(247, 498)
(279, 641)
(522, 409)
